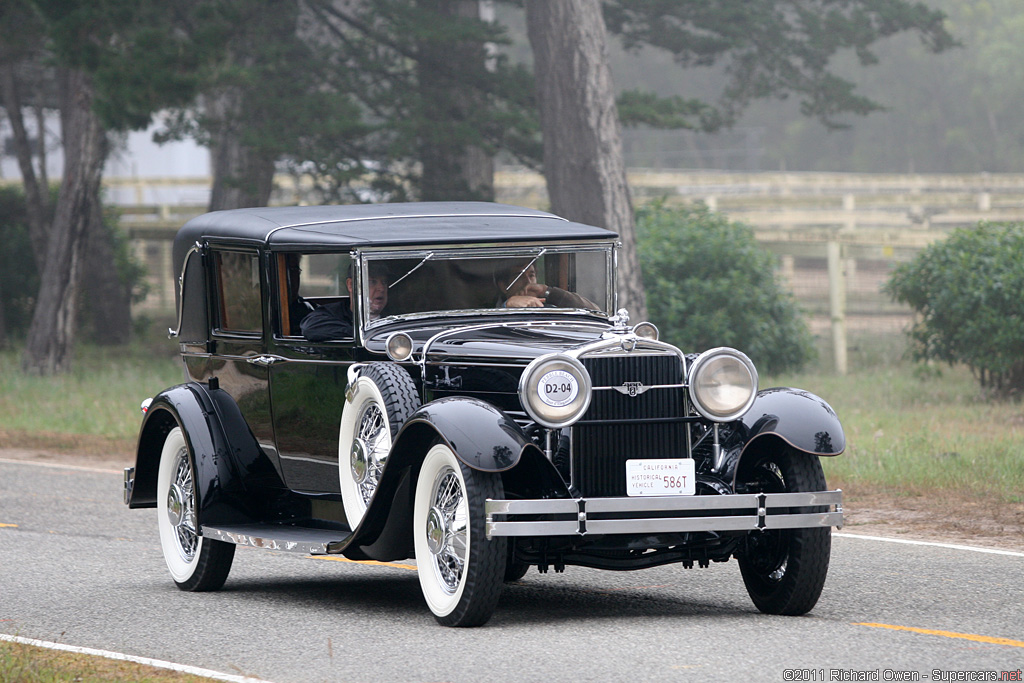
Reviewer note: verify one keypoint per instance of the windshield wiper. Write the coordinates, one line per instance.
(414, 269)
(525, 268)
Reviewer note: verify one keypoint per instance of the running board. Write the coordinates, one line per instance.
(278, 537)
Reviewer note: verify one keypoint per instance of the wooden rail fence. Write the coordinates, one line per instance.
(836, 235)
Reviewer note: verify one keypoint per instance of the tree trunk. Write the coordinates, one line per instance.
(583, 160)
(36, 197)
(51, 334)
(107, 299)
(453, 170)
(242, 176)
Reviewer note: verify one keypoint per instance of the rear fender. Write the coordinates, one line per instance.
(224, 452)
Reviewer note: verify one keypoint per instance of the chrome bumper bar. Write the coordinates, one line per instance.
(129, 483)
(662, 514)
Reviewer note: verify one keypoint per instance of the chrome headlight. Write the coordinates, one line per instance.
(646, 331)
(399, 346)
(723, 384)
(555, 390)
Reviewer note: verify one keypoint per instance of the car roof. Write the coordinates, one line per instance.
(385, 225)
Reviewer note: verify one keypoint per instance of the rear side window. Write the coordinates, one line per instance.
(238, 292)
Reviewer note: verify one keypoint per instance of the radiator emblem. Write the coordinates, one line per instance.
(631, 388)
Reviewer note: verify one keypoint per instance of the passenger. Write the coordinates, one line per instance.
(334, 320)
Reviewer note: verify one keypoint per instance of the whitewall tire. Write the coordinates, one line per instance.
(195, 563)
(460, 570)
(376, 406)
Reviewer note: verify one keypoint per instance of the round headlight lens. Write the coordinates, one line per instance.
(555, 390)
(723, 384)
(646, 331)
(399, 346)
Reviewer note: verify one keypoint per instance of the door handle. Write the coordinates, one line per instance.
(264, 361)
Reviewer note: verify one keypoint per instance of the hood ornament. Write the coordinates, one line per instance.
(620, 321)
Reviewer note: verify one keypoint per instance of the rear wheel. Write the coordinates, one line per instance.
(784, 570)
(195, 563)
(460, 570)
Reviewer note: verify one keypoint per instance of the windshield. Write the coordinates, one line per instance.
(441, 281)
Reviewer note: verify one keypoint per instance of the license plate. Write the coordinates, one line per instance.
(660, 477)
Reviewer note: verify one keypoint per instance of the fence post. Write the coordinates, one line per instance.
(837, 305)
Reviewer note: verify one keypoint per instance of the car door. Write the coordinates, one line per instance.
(237, 344)
(307, 379)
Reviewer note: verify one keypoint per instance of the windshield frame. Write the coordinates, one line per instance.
(532, 252)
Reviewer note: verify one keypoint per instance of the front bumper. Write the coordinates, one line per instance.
(662, 514)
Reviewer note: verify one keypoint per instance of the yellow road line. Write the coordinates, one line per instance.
(8, 525)
(950, 634)
(396, 565)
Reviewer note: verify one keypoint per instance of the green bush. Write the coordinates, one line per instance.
(967, 291)
(709, 283)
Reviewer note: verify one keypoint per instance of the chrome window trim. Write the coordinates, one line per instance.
(359, 219)
(195, 248)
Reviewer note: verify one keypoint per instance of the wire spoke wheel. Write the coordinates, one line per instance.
(461, 571)
(377, 404)
(195, 563)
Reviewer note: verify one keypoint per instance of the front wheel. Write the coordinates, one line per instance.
(195, 563)
(376, 406)
(461, 571)
(784, 570)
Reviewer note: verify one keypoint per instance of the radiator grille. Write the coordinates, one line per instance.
(642, 426)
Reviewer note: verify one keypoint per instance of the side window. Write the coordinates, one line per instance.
(306, 282)
(238, 292)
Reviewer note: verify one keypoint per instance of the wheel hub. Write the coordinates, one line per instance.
(436, 531)
(358, 461)
(175, 505)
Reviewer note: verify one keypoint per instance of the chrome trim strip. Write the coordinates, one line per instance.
(803, 521)
(671, 525)
(644, 388)
(552, 506)
(568, 528)
(777, 500)
(129, 483)
(359, 219)
(308, 541)
(673, 503)
(173, 334)
(752, 512)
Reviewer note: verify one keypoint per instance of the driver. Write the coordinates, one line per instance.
(520, 289)
(334, 320)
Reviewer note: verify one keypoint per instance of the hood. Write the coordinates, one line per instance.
(498, 341)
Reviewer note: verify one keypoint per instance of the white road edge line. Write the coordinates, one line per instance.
(59, 466)
(180, 668)
(951, 546)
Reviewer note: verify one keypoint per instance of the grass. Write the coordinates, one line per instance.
(28, 664)
(908, 433)
(95, 406)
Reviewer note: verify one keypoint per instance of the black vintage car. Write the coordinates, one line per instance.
(452, 382)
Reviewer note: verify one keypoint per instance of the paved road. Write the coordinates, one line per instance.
(78, 567)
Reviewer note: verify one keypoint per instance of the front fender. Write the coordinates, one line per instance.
(482, 436)
(224, 452)
(801, 419)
